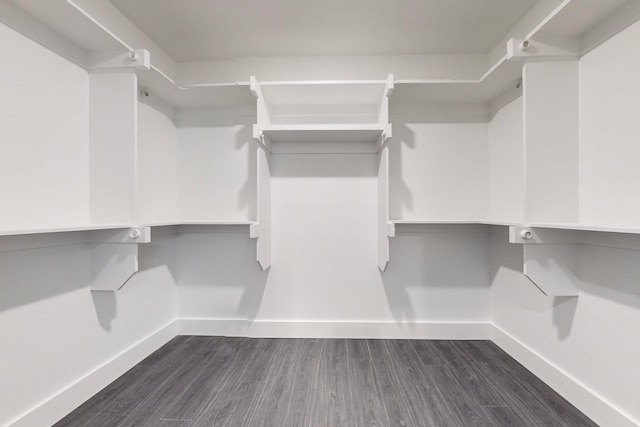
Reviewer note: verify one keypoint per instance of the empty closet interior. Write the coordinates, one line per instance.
(157, 184)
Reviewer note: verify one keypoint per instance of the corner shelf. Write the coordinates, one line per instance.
(114, 248)
(63, 229)
(551, 251)
(499, 80)
(588, 227)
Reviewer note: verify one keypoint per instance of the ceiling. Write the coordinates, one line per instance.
(204, 30)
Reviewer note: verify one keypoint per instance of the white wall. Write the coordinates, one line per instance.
(113, 124)
(217, 176)
(551, 141)
(55, 330)
(324, 260)
(44, 137)
(438, 273)
(609, 132)
(506, 164)
(157, 167)
(439, 171)
(592, 338)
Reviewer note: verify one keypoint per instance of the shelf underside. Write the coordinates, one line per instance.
(97, 227)
(284, 97)
(328, 133)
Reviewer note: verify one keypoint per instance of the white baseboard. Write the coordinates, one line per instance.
(594, 406)
(329, 329)
(55, 408)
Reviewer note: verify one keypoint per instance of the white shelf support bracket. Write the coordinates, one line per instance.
(550, 258)
(535, 50)
(114, 256)
(391, 229)
(385, 137)
(254, 87)
(388, 87)
(263, 141)
(106, 61)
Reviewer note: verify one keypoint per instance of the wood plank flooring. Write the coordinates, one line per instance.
(218, 381)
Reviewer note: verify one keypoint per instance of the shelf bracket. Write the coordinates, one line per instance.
(139, 59)
(263, 141)
(550, 258)
(254, 87)
(388, 87)
(537, 50)
(114, 256)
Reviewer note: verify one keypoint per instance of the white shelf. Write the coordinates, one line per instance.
(576, 18)
(176, 223)
(442, 222)
(501, 78)
(325, 92)
(589, 227)
(194, 97)
(322, 111)
(323, 133)
(555, 226)
(97, 227)
(66, 229)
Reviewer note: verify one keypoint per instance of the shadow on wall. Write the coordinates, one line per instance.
(218, 274)
(611, 273)
(405, 142)
(438, 276)
(106, 307)
(247, 194)
(512, 287)
(28, 276)
(158, 255)
(564, 311)
(400, 196)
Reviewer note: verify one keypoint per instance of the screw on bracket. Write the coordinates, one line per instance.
(526, 234)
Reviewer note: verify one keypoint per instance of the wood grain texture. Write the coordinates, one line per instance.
(234, 406)
(274, 404)
(368, 405)
(333, 405)
(220, 381)
(205, 388)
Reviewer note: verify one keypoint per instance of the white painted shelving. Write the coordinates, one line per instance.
(322, 111)
(309, 116)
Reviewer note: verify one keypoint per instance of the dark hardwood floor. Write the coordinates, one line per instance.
(217, 381)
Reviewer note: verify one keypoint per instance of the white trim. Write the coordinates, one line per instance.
(590, 403)
(68, 399)
(334, 329)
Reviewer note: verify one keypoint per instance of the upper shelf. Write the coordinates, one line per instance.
(501, 78)
(78, 28)
(322, 111)
(577, 18)
(323, 133)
